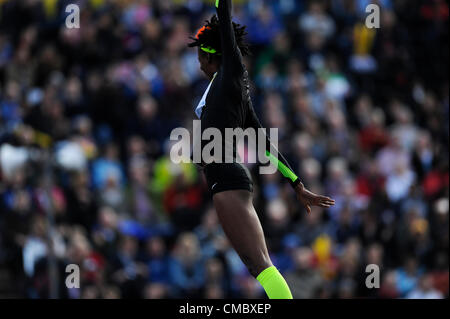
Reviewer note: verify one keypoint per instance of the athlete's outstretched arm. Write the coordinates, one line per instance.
(231, 55)
(306, 197)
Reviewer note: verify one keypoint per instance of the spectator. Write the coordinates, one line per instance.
(187, 267)
(305, 281)
(425, 290)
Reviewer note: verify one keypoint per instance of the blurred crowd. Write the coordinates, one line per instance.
(85, 174)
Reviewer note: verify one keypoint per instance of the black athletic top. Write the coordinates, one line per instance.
(228, 103)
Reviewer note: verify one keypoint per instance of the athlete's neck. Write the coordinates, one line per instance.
(211, 75)
(212, 70)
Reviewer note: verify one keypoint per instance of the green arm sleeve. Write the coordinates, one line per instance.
(277, 158)
(286, 171)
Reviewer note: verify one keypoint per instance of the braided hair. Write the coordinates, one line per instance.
(208, 37)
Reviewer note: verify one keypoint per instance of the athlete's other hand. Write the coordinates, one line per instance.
(309, 199)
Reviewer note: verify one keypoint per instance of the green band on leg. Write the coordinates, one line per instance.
(274, 284)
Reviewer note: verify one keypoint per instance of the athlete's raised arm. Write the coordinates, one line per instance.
(231, 55)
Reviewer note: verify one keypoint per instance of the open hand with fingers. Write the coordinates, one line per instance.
(309, 199)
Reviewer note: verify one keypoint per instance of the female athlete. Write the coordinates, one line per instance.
(227, 104)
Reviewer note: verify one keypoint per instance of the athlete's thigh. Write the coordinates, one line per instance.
(242, 226)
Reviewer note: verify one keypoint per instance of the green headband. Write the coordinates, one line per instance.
(208, 49)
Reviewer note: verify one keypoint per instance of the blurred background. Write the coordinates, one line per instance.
(85, 177)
